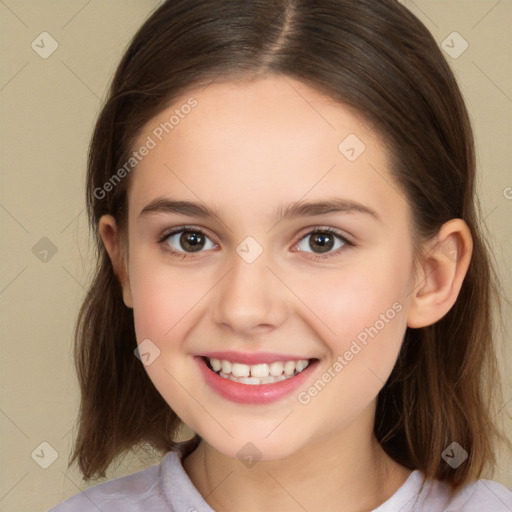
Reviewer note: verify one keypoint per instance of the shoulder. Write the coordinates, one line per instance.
(482, 495)
(476, 496)
(420, 495)
(164, 487)
(131, 493)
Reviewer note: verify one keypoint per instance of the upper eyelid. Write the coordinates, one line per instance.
(179, 229)
(321, 229)
(345, 240)
(305, 232)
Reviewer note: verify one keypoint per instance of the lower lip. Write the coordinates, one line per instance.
(253, 393)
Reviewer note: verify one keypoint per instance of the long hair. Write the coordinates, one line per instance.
(378, 58)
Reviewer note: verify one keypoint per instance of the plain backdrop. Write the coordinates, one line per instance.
(49, 103)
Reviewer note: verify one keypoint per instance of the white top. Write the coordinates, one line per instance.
(167, 487)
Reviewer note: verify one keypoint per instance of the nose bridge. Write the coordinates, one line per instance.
(250, 296)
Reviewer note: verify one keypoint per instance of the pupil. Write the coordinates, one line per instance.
(192, 241)
(324, 243)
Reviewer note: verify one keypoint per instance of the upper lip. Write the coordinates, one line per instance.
(252, 358)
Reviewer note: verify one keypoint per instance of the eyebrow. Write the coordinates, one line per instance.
(293, 210)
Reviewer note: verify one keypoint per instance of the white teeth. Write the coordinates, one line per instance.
(252, 380)
(289, 367)
(276, 369)
(216, 364)
(301, 365)
(262, 373)
(259, 370)
(226, 366)
(239, 370)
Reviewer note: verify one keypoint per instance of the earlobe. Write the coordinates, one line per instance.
(110, 236)
(443, 269)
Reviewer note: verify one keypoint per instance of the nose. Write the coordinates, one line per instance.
(250, 300)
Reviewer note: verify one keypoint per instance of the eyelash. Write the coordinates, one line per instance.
(317, 257)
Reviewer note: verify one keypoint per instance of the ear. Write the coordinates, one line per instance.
(442, 273)
(110, 235)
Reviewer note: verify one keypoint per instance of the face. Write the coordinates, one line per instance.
(297, 247)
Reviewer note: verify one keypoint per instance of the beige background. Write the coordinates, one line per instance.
(48, 110)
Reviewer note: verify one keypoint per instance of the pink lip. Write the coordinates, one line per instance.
(256, 358)
(253, 394)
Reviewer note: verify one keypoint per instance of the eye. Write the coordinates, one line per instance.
(186, 240)
(322, 241)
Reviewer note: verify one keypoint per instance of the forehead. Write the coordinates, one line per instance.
(265, 142)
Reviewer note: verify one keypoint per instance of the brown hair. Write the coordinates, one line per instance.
(378, 58)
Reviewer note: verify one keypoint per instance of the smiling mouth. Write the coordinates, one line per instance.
(256, 374)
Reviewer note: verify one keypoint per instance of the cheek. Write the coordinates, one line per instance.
(369, 327)
(365, 306)
(154, 307)
(372, 291)
(162, 297)
(361, 318)
(163, 301)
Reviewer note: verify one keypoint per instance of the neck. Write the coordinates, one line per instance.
(349, 473)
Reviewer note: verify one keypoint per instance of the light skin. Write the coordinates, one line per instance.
(246, 150)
